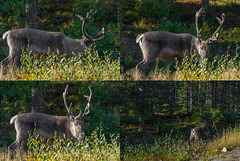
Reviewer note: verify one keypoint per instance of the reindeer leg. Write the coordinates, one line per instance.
(5, 62)
(14, 55)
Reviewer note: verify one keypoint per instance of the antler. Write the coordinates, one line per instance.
(87, 109)
(65, 100)
(215, 35)
(85, 20)
(198, 14)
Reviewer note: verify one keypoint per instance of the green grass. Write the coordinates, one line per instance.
(94, 147)
(223, 67)
(88, 66)
(175, 147)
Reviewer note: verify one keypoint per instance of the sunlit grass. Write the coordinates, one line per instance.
(88, 66)
(212, 2)
(171, 147)
(221, 68)
(94, 147)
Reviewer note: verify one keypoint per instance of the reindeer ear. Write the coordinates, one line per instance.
(87, 119)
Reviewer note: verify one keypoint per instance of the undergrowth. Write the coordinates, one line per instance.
(56, 67)
(94, 147)
(171, 147)
(223, 67)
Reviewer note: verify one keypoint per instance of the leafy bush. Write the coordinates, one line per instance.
(93, 147)
(57, 67)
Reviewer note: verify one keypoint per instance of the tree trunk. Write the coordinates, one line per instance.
(121, 23)
(236, 97)
(205, 5)
(37, 99)
(199, 93)
(229, 96)
(32, 14)
(191, 96)
(186, 96)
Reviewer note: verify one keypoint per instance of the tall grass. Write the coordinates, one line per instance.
(223, 67)
(56, 67)
(94, 147)
(170, 147)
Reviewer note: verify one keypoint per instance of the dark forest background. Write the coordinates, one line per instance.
(152, 109)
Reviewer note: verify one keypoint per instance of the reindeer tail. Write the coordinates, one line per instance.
(12, 120)
(5, 35)
(139, 38)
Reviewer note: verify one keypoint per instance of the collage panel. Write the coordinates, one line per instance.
(173, 120)
(180, 40)
(119, 80)
(59, 121)
(59, 40)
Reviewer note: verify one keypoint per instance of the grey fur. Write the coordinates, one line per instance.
(199, 132)
(170, 47)
(47, 126)
(40, 42)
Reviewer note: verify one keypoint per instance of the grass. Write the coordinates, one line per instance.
(171, 147)
(224, 67)
(88, 66)
(94, 147)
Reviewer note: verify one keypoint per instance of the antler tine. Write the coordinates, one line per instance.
(90, 14)
(214, 37)
(198, 14)
(85, 20)
(65, 100)
(87, 109)
(97, 34)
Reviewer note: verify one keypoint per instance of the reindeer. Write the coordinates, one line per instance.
(169, 47)
(41, 42)
(200, 132)
(47, 126)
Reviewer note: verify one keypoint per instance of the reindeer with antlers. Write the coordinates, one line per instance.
(169, 47)
(40, 42)
(46, 126)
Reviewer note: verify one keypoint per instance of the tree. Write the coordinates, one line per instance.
(32, 14)
(37, 98)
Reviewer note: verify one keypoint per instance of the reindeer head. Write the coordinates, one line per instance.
(78, 122)
(203, 46)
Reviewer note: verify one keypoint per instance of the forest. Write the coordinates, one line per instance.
(102, 132)
(98, 62)
(157, 117)
(178, 16)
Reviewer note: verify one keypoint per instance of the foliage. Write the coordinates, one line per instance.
(175, 147)
(93, 147)
(57, 67)
(217, 67)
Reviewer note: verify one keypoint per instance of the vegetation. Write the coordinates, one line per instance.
(175, 147)
(88, 66)
(103, 64)
(156, 118)
(179, 17)
(94, 147)
(221, 68)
